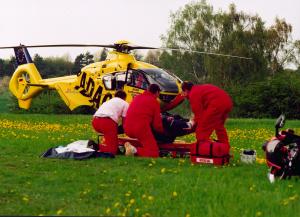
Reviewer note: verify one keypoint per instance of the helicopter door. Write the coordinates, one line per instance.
(137, 79)
(135, 83)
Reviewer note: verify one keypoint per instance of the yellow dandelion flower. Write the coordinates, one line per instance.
(116, 204)
(174, 194)
(163, 170)
(187, 215)
(293, 197)
(59, 212)
(132, 201)
(150, 198)
(25, 199)
(137, 210)
(251, 188)
(107, 211)
(259, 213)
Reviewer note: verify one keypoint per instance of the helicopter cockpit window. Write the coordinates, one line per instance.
(120, 80)
(137, 79)
(109, 82)
(166, 81)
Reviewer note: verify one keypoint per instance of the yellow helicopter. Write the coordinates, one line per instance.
(95, 83)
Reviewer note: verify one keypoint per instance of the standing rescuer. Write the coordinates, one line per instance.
(143, 116)
(106, 118)
(211, 106)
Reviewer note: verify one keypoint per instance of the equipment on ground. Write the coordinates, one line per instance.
(248, 156)
(282, 152)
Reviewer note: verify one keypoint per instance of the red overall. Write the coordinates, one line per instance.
(143, 115)
(109, 128)
(211, 106)
(175, 102)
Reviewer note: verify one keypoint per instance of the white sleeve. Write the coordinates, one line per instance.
(125, 108)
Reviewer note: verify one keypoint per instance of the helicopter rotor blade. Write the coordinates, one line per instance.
(123, 46)
(204, 52)
(135, 47)
(59, 45)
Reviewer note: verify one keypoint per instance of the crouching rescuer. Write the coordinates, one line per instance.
(106, 118)
(142, 117)
(211, 106)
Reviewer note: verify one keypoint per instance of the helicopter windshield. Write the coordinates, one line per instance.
(166, 81)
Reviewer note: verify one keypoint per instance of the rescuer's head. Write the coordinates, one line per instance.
(186, 87)
(121, 94)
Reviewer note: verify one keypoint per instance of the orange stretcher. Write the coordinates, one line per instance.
(176, 149)
(182, 149)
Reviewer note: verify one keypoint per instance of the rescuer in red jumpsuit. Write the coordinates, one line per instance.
(211, 106)
(142, 117)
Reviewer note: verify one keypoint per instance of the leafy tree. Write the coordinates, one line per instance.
(53, 66)
(297, 54)
(103, 54)
(2, 72)
(87, 59)
(40, 64)
(152, 57)
(82, 60)
(270, 98)
(9, 66)
(77, 64)
(278, 49)
(197, 27)
(138, 56)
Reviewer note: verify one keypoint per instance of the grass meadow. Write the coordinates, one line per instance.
(127, 186)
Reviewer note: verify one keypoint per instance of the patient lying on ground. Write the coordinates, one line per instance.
(174, 126)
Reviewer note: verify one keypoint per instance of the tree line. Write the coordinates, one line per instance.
(262, 86)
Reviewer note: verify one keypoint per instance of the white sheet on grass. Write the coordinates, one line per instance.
(77, 146)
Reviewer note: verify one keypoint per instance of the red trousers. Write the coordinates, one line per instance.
(145, 137)
(213, 119)
(110, 130)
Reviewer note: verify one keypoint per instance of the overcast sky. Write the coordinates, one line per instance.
(105, 21)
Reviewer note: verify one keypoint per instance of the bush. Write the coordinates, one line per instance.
(4, 82)
(270, 98)
(48, 102)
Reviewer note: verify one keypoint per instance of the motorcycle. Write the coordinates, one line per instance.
(282, 152)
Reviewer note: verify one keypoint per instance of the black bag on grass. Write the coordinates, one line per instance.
(78, 150)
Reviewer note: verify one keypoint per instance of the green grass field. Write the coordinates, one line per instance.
(127, 186)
